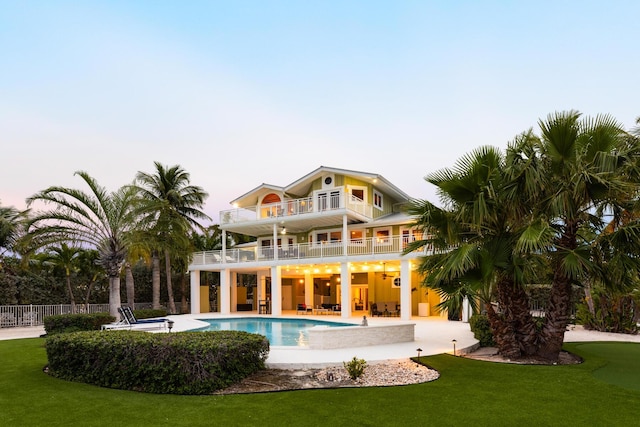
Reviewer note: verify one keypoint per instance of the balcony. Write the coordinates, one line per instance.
(393, 245)
(323, 208)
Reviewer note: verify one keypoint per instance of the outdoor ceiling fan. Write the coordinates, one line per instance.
(384, 271)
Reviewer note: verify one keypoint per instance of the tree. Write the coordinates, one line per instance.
(11, 221)
(96, 219)
(170, 207)
(509, 223)
(65, 258)
(590, 169)
(474, 237)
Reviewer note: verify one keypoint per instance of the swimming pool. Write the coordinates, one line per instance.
(279, 332)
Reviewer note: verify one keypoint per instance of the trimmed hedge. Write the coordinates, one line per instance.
(149, 313)
(76, 322)
(172, 363)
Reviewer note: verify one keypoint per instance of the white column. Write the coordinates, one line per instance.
(308, 289)
(345, 236)
(466, 310)
(234, 291)
(225, 291)
(224, 246)
(276, 291)
(275, 247)
(405, 290)
(345, 283)
(195, 292)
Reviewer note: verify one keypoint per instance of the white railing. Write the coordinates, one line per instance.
(295, 207)
(12, 316)
(357, 247)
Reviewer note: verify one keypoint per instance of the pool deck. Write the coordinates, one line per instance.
(433, 335)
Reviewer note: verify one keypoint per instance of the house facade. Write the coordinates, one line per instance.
(330, 242)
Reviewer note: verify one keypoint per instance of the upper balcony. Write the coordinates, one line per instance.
(324, 208)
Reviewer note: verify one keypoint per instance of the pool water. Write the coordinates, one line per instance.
(279, 332)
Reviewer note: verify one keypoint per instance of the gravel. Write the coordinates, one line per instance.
(380, 374)
(390, 373)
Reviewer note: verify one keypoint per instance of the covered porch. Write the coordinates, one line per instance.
(383, 288)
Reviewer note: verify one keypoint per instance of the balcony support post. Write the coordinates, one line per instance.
(195, 291)
(345, 290)
(345, 235)
(405, 289)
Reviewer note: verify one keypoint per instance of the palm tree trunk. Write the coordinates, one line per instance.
(167, 265)
(71, 299)
(502, 324)
(129, 285)
(88, 294)
(155, 280)
(114, 296)
(557, 319)
(184, 307)
(557, 312)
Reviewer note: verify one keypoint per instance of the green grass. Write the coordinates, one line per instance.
(602, 391)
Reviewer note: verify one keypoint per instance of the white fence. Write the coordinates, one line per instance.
(12, 316)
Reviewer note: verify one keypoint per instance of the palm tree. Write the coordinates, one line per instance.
(170, 208)
(507, 222)
(475, 236)
(88, 264)
(590, 169)
(96, 219)
(11, 221)
(63, 257)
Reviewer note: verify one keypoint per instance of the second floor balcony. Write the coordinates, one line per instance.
(393, 245)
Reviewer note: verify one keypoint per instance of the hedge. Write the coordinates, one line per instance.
(76, 322)
(148, 313)
(170, 363)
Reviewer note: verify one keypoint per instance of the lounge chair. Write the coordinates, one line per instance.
(131, 319)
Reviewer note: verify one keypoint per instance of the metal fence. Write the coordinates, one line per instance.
(12, 316)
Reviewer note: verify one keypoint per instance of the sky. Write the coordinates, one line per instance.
(240, 93)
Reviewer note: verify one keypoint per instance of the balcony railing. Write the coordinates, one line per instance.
(322, 202)
(357, 247)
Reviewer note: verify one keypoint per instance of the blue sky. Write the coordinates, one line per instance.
(244, 92)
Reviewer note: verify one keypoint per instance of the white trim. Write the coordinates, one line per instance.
(378, 200)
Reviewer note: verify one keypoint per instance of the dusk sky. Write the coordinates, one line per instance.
(244, 92)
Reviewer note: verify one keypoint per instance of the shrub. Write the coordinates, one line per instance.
(481, 328)
(178, 363)
(355, 367)
(149, 313)
(76, 322)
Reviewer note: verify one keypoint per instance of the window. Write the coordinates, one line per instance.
(382, 236)
(323, 237)
(356, 237)
(410, 235)
(377, 199)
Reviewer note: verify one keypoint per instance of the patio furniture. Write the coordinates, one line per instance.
(131, 319)
(8, 320)
(304, 309)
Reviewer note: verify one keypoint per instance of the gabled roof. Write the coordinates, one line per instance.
(250, 198)
(302, 185)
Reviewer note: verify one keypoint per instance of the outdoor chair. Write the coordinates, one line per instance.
(302, 308)
(126, 311)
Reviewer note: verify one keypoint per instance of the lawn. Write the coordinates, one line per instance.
(605, 390)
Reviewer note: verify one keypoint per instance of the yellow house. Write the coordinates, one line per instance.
(329, 243)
